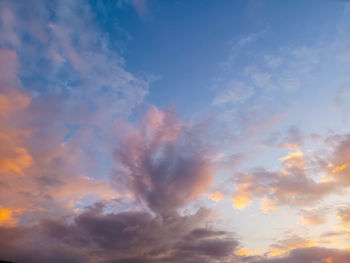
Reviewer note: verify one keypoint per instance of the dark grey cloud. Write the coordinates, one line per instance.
(132, 236)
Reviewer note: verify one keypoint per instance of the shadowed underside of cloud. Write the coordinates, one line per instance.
(132, 236)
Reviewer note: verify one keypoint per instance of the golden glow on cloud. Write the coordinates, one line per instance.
(7, 218)
(295, 159)
(216, 196)
(283, 251)
(339, 168)
(289, 244)
(329, 260)
(246, 252)
(292, 155)
(241, 202)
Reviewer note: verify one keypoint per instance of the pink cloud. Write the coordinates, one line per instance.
(162, 166)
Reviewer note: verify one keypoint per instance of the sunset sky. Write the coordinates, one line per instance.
(175, 131)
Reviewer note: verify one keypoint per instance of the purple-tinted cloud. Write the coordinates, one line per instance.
(163, 163)
(132, 236)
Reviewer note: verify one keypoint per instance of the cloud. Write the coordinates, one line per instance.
(294, 183)
(293, 140)
(236, 92)
(266, 205)
(62, 101)
(337, 169)
(8, 216)
(59, 96)
(313, 217)
(216, 196)
(312, 254)
(163, 163)
(344, 215)
(131, 236)
(289, 244)
(290, 185)
(141, 8)
(273, 62)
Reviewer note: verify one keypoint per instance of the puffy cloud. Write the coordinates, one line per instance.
(336, 167)
(313, 217)
(131, 236)
(290, 185)
(288, 244)
(163, 163)
(59, 96)
(294, 182)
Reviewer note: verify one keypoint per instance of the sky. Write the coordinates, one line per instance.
(175, 131)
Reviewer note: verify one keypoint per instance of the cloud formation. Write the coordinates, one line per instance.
(54, 133)
(130, 236)
(312, 254)
(290, 185)
(164, 163)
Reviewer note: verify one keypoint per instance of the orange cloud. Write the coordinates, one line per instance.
(13, 101)
(21, 160)
(7, 217)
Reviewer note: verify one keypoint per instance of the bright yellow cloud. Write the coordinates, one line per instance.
(246, 252)
(292, 155)
(339, 168)
(240, 202)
